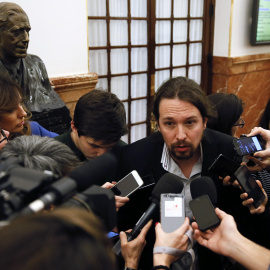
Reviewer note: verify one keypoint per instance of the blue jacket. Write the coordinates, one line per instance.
(37, 129)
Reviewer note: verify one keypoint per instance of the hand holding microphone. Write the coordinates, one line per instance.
(131, 250)
(168, 183)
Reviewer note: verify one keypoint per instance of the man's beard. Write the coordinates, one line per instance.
(182, 155)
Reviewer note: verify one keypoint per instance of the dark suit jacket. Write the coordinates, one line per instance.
(145, 155)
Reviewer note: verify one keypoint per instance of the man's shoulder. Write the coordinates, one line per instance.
(31, 58)
(215, 136)
(215, 143)
(67, 140)
(116, 150)
(120, 143)
(64, 138)
(154, 140)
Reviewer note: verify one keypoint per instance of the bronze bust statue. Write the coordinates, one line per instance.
(29, 71)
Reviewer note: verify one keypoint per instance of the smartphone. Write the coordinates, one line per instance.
(127, 185)
(172, 211)
(223, 166)
(249, 185)
(204, 213)
(249, 145)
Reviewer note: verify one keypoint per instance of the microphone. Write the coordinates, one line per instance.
(95, 171)
(168, 183)
(59, 191)
(204, 194)
(203, 186)
(92, 172)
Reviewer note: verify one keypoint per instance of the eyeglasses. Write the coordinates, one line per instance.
(240, 123)
(4, 136)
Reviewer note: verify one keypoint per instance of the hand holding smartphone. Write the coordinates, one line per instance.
(172, 211)
(249, 145)
(127, 185)
(249, 185)
(204, 213)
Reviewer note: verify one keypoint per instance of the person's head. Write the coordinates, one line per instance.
(265, 119)
(229, 108)
(14, 32)
(41, 153)
(62, 239)
(12, 111)
(181, 111)
(99, 122)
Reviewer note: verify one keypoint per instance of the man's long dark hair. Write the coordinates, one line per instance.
(184, 89)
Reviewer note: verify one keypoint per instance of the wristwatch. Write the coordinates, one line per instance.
(128, 268)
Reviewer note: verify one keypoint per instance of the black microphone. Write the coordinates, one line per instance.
(203, 186)
(168, 183)
(95, 172)
(58, 192)
(92, 172)
(204, 194)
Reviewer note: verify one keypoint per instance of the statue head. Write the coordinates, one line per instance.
(14, 32)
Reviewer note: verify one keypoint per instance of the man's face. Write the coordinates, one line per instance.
(88, 146)
(14, 38)
(181, 126)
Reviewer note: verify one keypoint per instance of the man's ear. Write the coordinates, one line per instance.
(74, 129)
(205, 122)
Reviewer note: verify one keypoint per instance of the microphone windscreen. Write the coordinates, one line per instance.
(95, 172)
(203, 185)
(168, 183)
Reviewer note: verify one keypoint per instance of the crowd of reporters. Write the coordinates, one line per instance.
(56, 206)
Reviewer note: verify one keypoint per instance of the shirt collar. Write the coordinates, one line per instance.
(169, 165)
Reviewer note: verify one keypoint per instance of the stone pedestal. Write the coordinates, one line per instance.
(71, 88)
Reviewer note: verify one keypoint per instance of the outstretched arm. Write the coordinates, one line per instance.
(226, 240)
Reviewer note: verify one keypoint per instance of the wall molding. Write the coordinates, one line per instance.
(240, 64)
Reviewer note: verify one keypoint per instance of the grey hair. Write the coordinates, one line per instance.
(41, 153)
